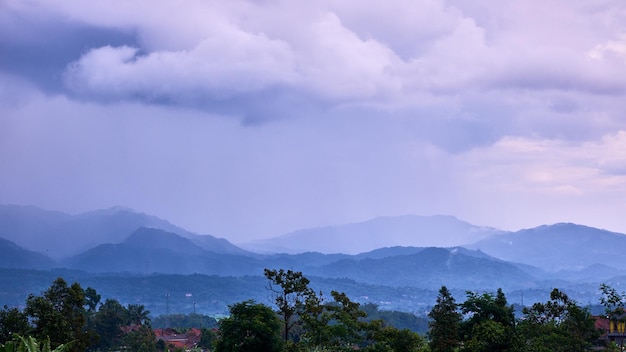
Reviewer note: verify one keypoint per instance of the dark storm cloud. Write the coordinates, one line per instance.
(41, 49)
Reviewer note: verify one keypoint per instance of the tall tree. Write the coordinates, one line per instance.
(251, 327)
(138, 315)
(291, 291)
(108, 322)
(491, 322)
(60, 315)
(445, 323)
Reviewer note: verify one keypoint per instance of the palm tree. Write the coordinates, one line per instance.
(138, 315)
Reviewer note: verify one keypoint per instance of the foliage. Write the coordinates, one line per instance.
(208, 338)
(251, 327)
(614, 306)
(559, 324)
(30, 344)
(490, 323)
(108, 324)
(291, 291)
(60, 315)
(140, 340)
(12, 321)
(390, 339)
(445, 323)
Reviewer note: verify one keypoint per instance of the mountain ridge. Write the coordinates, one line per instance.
(379, 232)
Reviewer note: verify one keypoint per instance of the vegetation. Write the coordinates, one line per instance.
(445, 323)
(251, 327)
(70, 318)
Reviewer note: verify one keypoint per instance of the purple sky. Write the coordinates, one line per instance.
(249, 119)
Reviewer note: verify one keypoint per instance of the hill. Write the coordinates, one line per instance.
(149, 250)
(14, 256)
(430, 268)
(408, 230)
(558, 247)
(61, 235)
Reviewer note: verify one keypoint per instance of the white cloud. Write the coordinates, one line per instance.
(475, 109)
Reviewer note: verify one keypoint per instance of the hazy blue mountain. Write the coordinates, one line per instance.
(558, 247)
(431, 268)
(593, 273)
(409, 230)
(14, 256)
(60, 235)
(149, 250)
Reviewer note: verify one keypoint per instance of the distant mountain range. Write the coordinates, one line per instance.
(408, 230)
(558, 247)
(119, 241)
(59, 235)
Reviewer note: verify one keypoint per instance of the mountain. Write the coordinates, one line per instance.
(61, 235)
(562, 246)
(16, 257)
(150, 250)
(408, 230)
(431, 268)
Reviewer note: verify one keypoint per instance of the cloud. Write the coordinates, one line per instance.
(259, 113)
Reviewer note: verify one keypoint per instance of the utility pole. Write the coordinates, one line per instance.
(167, 310)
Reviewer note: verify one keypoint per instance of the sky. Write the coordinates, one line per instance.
(250, 119)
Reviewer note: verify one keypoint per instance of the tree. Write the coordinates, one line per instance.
(60, 315)
(141, 340)
(490, 326)
(390, 339)
(346, 326)
(557, 325)
(12, 321)
(291, 291)
(138, 315)
(445, 323)
(207, 338)
(108, 322)
(251, 327)
(614, 304)
(92, 299)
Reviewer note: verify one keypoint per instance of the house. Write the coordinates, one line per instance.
(172, 338)
(612, 331)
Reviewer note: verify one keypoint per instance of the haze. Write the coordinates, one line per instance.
(249, 119)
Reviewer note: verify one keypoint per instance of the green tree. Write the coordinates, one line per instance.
(445, 323)
(60, 315)
(12, 321)
(108, 322)
(138, 315)
(251, 327)
(559, 324)
(347, 327)
(207, 339)
(389, 339)
(490, 324)
(92, 299)
(291, 291)
(140, 340)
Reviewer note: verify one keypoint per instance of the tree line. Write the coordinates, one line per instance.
(70, 318)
